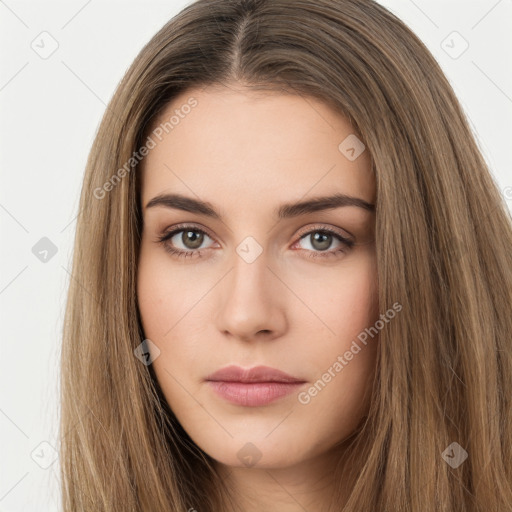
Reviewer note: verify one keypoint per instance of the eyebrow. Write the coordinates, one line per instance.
(285, 211)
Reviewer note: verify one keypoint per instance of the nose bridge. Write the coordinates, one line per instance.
(250, 273)
(249, 303)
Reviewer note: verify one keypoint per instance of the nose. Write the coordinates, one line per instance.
(251, 304)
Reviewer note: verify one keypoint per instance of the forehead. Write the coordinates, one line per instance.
(239, 147)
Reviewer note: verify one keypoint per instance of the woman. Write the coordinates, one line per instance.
(290, 188)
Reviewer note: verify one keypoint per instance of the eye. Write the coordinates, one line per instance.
(321, 239)
(189, 237)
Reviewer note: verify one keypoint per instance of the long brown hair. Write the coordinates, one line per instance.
(443, 239)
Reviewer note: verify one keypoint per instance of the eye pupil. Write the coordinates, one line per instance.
(192, 239)
(323, 239)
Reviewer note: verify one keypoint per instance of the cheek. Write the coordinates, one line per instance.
(166, 293)
(171, 302)
(153, 298)
(343, 299)
(353, 302)
(347, 305)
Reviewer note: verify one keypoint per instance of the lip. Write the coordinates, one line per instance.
(252, 387)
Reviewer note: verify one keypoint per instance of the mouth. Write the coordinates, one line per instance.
(252, 387)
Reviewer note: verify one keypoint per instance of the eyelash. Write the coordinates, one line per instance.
(347, 243)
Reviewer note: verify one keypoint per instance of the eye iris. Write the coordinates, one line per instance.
(192, 239)
(323, 239)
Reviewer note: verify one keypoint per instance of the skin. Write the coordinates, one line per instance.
(246, 153)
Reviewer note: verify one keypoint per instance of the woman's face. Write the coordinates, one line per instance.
(258, 282)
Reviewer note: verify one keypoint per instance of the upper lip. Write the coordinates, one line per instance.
(256, 374)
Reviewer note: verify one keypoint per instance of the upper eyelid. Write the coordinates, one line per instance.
(324, 227)
(182, 227)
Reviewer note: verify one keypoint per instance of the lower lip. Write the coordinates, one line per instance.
(253, 394)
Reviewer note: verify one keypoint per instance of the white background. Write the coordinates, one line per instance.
(50, 111)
